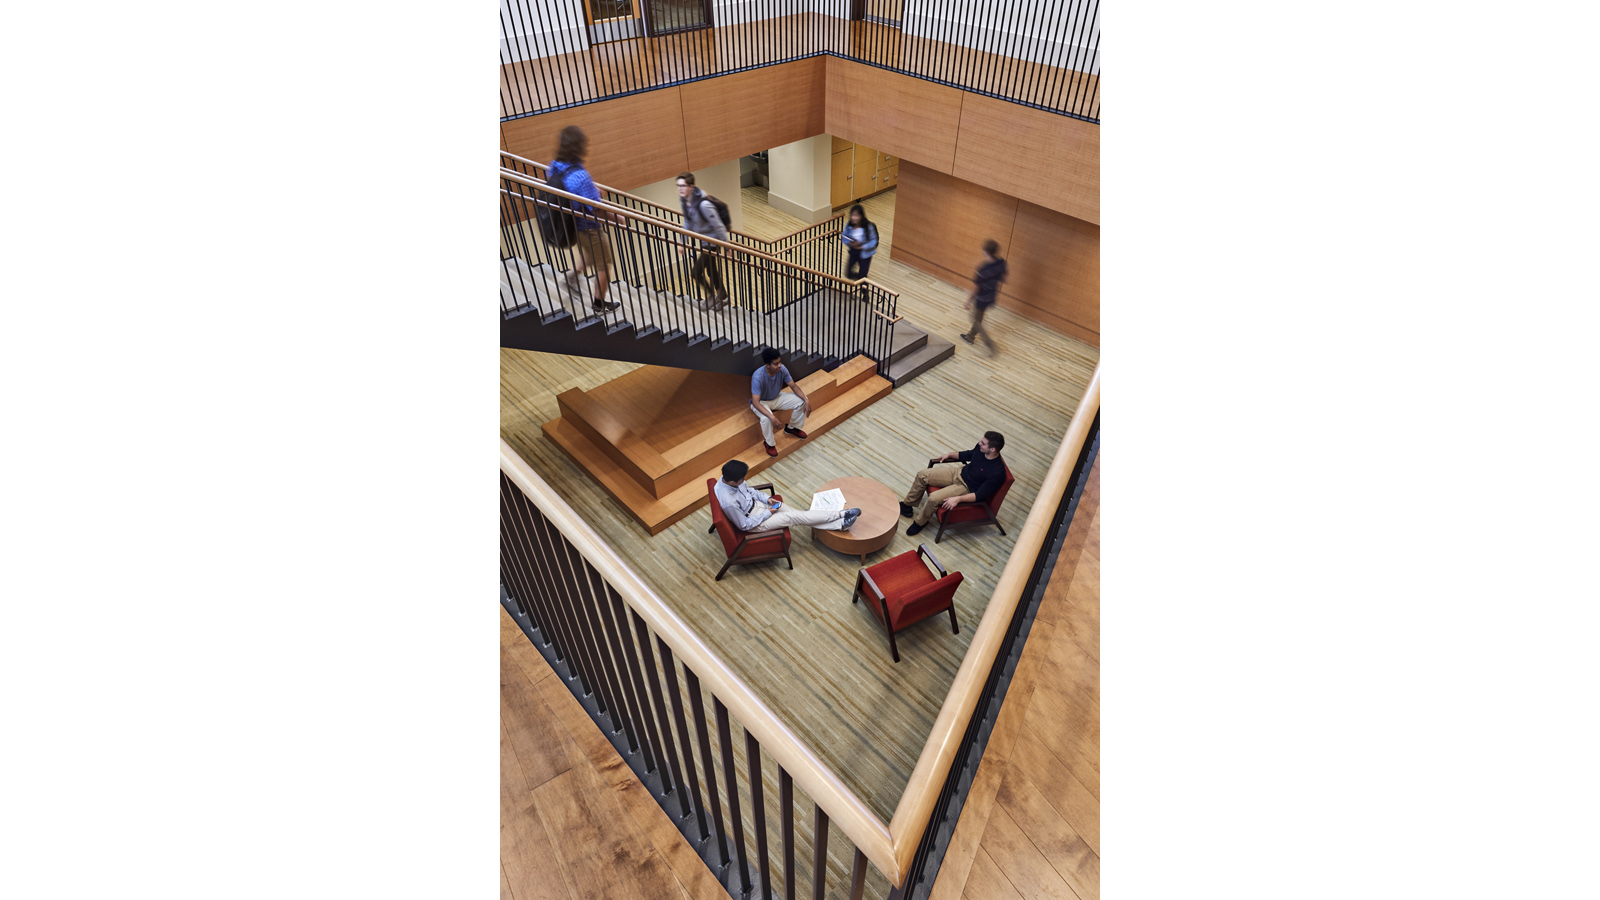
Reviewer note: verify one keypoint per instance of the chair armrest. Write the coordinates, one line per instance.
(935, 461)
(867, 577)
(749, 536)
(923, 549)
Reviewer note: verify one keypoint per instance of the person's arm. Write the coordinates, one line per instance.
(871, 242)
(761, 408)
(795, 386)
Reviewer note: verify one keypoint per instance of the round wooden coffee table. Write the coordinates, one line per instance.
(874, 528)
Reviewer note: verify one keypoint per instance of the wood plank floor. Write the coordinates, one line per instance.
(794, 635)
(619, 67)
(1031, 824)
(575, 824)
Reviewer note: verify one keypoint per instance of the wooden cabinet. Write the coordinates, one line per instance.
(860, 171)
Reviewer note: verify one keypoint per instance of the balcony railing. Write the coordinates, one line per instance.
(1040, 53)
(594, 618)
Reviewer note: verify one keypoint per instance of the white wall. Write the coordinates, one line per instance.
(800, 174)
(720, 181)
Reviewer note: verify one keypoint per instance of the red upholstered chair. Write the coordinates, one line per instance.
(746, 546)
(975, 513)
(902, 592)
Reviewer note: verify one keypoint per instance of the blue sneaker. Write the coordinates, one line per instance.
(850, 516)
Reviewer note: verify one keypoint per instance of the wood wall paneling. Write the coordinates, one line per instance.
(1055, 272)
(735, 115)
(895, 113)
(941, 223)
(1046, 158)
(633, 141)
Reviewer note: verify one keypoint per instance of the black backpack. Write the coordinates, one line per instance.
(556, 223)
(722, 211)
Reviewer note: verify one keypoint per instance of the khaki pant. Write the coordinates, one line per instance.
(594, 249)
(786, 517)
(978, 311)
(784, 401)
(946, 482)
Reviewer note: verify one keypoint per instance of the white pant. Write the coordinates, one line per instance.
(784, 401)
(786, 517)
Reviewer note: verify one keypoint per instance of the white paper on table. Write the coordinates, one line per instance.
(830, 500)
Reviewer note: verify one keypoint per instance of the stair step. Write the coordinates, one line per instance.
(934, 351)
(906, 340)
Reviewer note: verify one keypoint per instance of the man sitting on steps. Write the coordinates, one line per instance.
(767, 396)
(748, 510)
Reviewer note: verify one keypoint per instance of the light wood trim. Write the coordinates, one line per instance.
(518, 177)
(883, 316)
(933, 766)
(844, 808)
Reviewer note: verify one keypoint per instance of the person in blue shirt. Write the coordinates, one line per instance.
(591, 246)
(861, 236)
(767, 397)
(946, 487)
(749, 510)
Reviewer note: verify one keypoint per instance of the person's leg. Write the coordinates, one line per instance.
(977, 323)
(936, 477)
(573, 278)
(698, 273)
(853, 265)
(926, 511)
(766, 425)
(865, 267)
(788, 518)
(790, 401)
(978, 329)
(602, 267)
(714, 272)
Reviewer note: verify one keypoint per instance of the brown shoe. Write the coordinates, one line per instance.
(771, 450)
(795, 431)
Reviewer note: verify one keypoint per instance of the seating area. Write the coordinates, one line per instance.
(974, 513)
(744, 547)
(651, 437)
(902, 592)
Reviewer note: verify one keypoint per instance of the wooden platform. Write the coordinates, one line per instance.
(652, 437)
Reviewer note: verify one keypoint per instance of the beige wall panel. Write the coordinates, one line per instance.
(1052, 160)
(1055, 272)
(735, 115)
(894, 113)
(943, 222)
(633, 140)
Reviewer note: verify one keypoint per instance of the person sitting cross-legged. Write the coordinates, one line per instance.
(946, 486)
(747, 510)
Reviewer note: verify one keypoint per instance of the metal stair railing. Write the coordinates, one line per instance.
(774, 302)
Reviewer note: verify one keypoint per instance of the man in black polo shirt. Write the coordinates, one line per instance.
(976, 481)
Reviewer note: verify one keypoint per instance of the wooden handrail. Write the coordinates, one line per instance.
(843, 807)
(770, 244)
(519, 178)
(933, 765)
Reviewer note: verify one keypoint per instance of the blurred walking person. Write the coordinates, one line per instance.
(990, 275)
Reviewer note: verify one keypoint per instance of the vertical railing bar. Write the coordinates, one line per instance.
(858, 875)
(668, 746)
(698, 705)
(526, 548)
(819, 860)
(508, 564)
(595, 633)
(584, 650)
(676, 696)
(758, 812)
(786, 829)
(631, 702)
(731, 781)
(653, 748)
(1062, 98)
(1092, 108)
(510, 586)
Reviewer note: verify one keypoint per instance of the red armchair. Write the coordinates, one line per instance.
(746, 546)
(902, 592)
(974, 513)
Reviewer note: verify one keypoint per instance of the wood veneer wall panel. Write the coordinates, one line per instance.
(898, 114)
(1055, 272)
(1049, 159)
(633, 141)
(941, 222)
(735, 115)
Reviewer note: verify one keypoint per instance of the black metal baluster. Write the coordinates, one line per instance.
(858, 874)
(516, 556)
(652, 747)
(704, 741)
(668, 746)
(676, 696)
(631, 702)
(587, 578)
(758, 809)
(1094, 59)
(570, 601)
(819, 861)
(786, 829)
(532, 557)
(1062, 99)
(725, 741)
